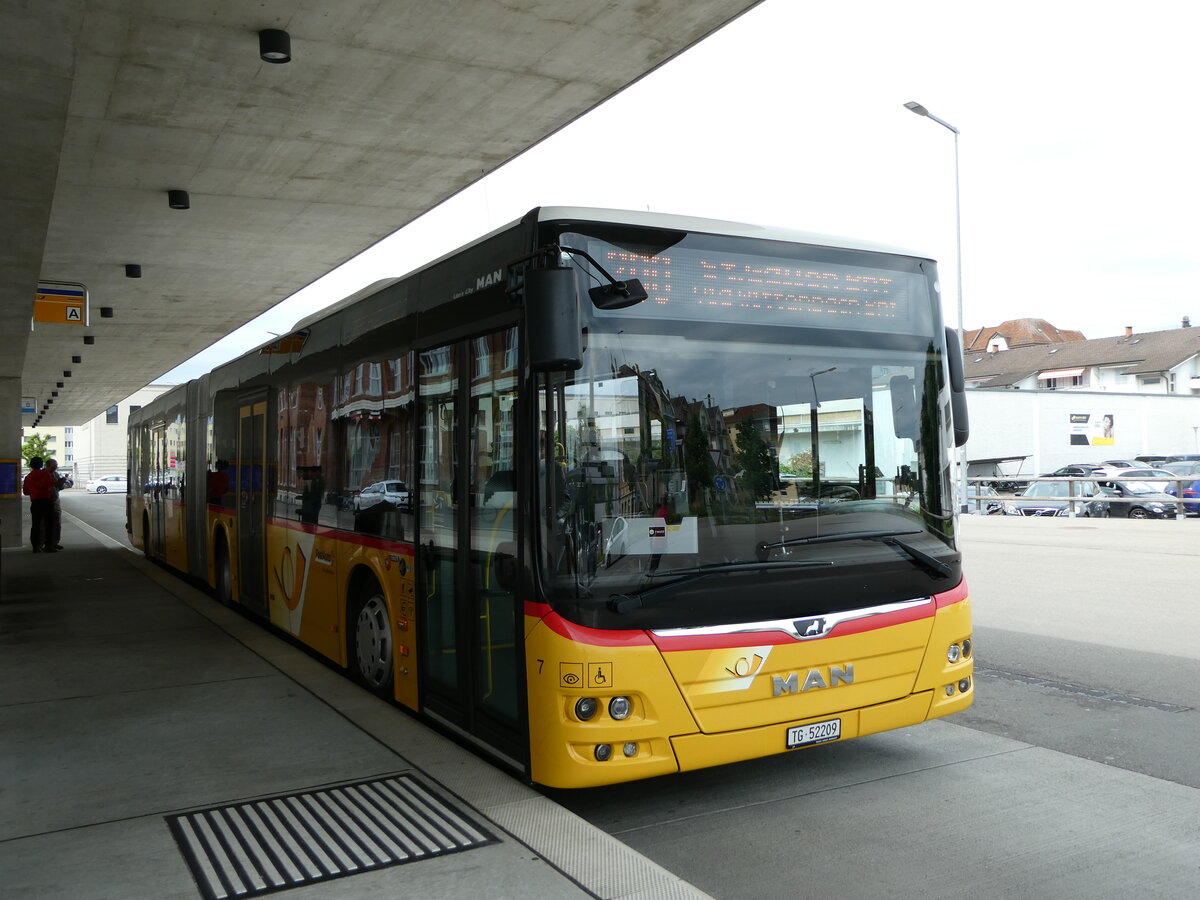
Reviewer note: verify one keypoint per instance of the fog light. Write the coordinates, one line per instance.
(603, 752)
(619, 707)
(964, 685)
(949, 690)
(630, 748)
(585, 708)
(967, 647)
(953, 653)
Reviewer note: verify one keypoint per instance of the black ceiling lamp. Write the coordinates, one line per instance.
(66, 373)
(58, 384)
(274, 45)
(106, 312)
(133, 270)
(89, 339)
(54, 393)
(76, 359)
(179, 199)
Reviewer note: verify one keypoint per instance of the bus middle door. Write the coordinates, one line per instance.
(249, 486)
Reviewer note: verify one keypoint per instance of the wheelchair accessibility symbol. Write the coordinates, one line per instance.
(600, 675)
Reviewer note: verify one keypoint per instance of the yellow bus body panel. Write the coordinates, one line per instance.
(309, 576)
(900, 677)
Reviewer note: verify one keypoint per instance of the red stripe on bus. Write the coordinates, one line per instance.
(345, 537)
(952, 596)
(596, 637)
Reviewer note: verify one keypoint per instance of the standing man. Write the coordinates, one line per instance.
(54, 538)
(38, 486)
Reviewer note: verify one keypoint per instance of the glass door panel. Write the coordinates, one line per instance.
(438, 384)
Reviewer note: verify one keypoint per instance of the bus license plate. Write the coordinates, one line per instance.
(814, 733)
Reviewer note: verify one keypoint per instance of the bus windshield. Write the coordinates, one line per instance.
(706, 472)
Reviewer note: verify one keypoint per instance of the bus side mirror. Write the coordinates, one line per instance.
(958, 388)
(905, 419)
(552, 336)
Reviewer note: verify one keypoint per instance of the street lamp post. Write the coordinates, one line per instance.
(914, 106)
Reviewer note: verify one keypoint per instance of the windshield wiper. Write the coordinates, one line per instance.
(623, 603)
(930, 564)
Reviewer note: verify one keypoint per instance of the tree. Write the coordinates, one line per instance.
(35, 445)
(753, 459)
(697, 461)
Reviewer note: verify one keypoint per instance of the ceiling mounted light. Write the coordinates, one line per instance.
(274, 45)
(179, 200)
(54, 393)
(76, 359)
(58, 384)
(106, 312)
(66, 373)
(89, 339)
(133, 270)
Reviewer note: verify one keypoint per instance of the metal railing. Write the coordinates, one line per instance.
(979, 502)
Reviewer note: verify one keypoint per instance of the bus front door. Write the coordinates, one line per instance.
(472, 674)
(249, 483)
(154, 492)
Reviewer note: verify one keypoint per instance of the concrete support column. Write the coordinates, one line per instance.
(11, 532)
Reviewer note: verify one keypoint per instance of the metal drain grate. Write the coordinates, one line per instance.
(248, 849)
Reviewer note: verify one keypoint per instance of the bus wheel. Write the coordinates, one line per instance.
(224, 574)
(371, 650)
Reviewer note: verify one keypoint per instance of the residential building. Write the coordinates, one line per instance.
(1017, 333)
(1157, 362)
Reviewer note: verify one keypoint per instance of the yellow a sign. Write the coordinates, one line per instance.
(61, 303)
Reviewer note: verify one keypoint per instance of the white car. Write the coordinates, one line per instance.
(109, 484)
(393, 492)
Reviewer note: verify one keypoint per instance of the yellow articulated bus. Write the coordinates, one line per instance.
(609, 495)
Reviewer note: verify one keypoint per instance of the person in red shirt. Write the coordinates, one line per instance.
(38, 486)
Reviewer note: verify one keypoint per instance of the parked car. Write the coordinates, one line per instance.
(1139, 472)
(1184, 457)
(1121, 463)
(108, 484)
(1151, 460)
(393, 492)
(1184, 469)
(1191, 489)
(1051, 498)
(1139, 500)
(1075, 470)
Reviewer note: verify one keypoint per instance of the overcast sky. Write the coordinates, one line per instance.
(1080, 179)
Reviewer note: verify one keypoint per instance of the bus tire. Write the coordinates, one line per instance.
(223, 572)
(371, 650)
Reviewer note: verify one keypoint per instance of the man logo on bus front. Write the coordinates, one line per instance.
(811, 627)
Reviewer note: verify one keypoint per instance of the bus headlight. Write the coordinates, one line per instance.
(953, 653)
(585, 708)
(967, 648)
(619, 707)
(603, 752)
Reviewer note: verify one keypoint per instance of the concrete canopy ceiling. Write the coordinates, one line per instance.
(388, 108)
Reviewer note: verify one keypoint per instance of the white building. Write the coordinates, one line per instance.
(1084, 401)
(97, 447)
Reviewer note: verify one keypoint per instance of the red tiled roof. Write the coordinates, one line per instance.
(1020, 333)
